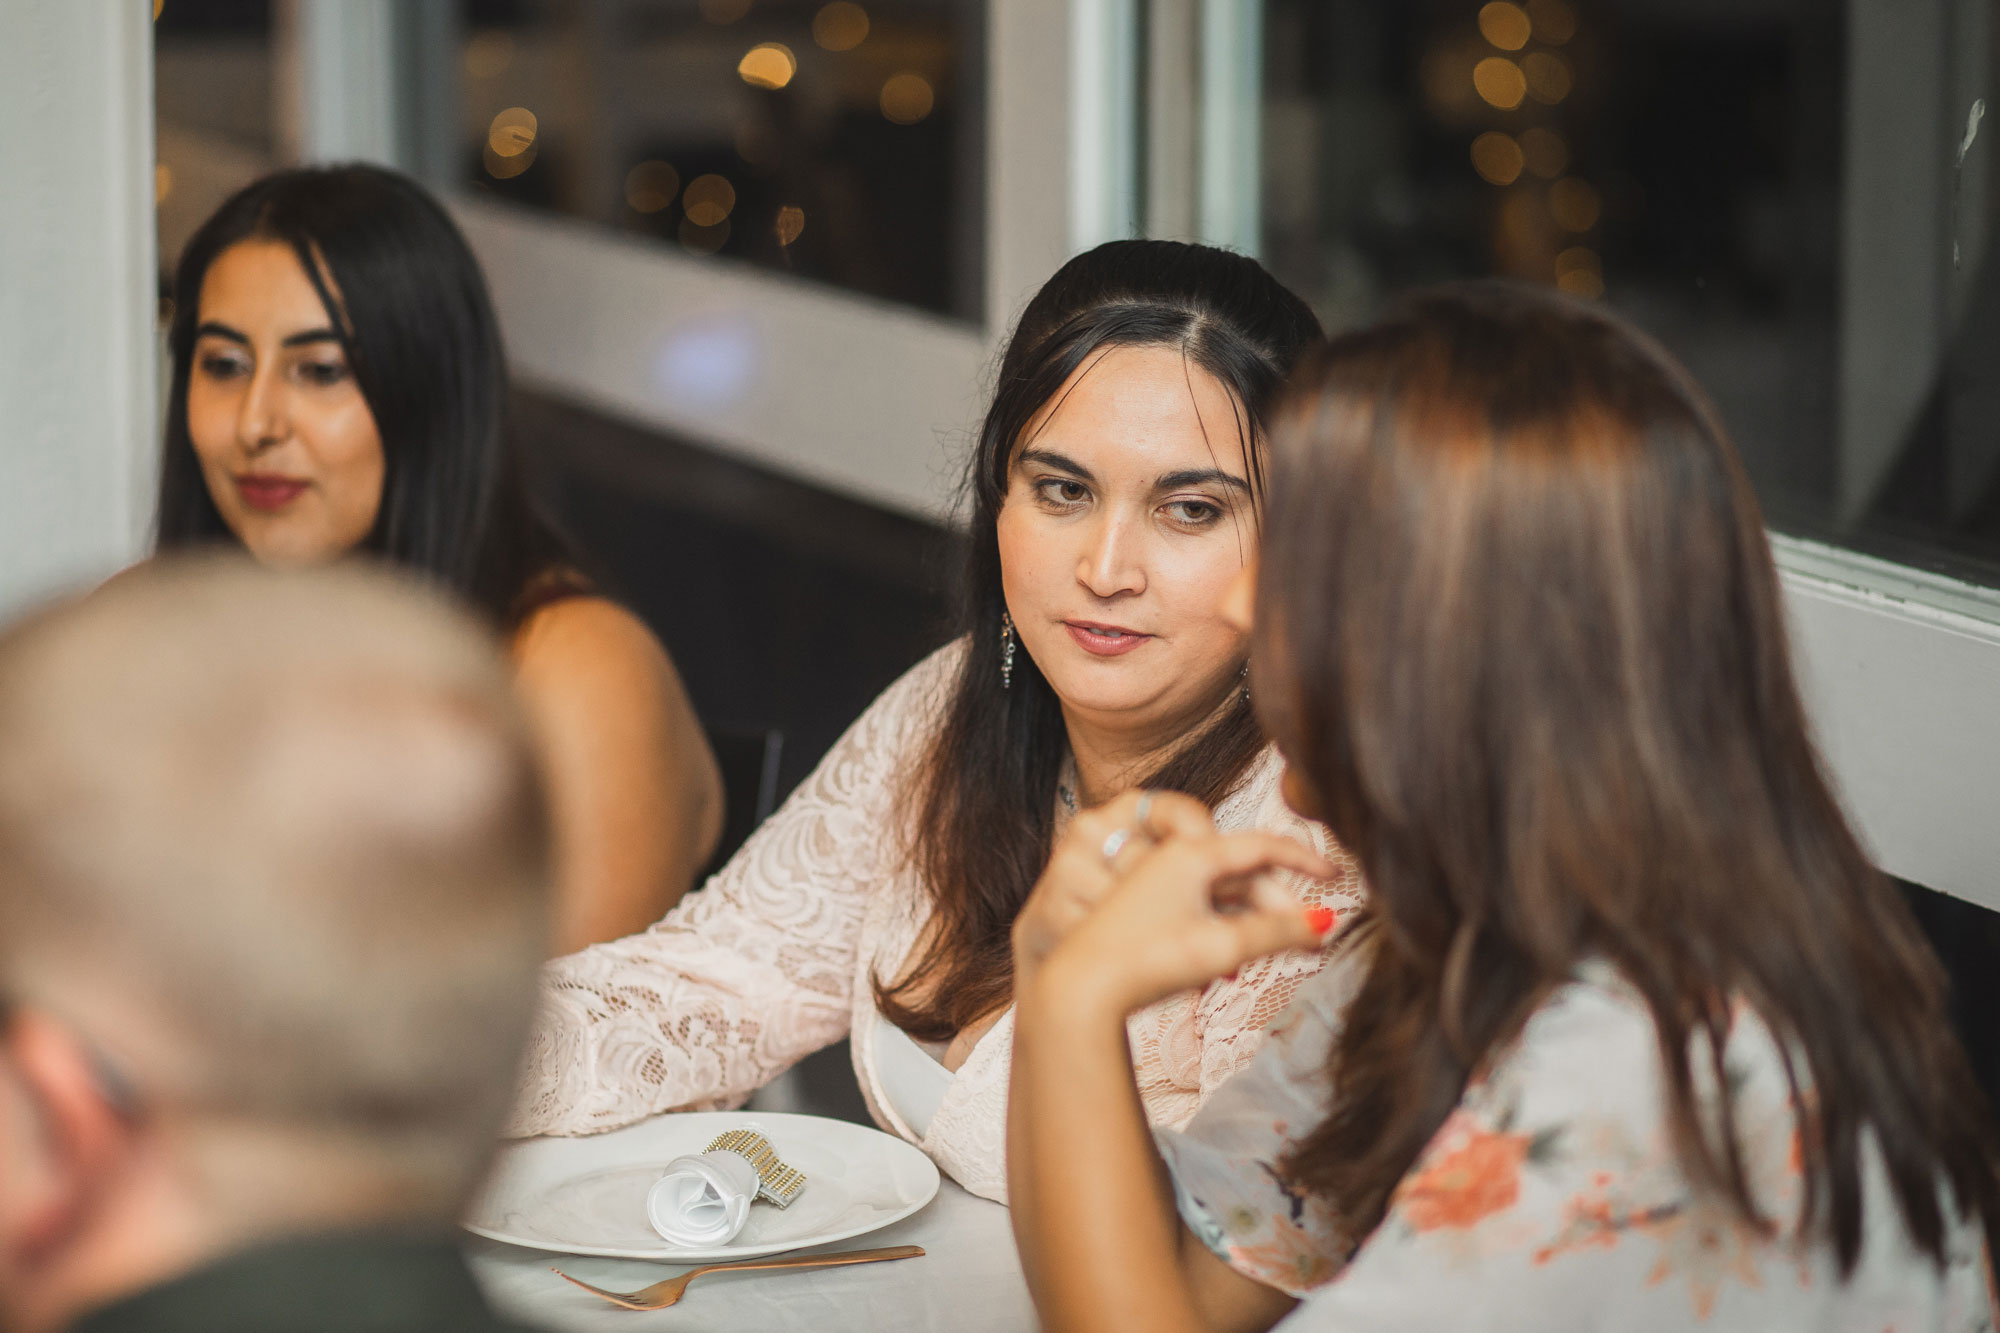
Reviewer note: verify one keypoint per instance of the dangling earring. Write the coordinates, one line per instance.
(1006, 651)
(1244, 676)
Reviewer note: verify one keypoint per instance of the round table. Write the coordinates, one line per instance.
(969, 1280)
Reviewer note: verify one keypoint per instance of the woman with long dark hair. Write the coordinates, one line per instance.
(1631, 1035)
(1115, 492)
(339, 388)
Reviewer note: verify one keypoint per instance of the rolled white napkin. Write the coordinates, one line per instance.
(703, 1199)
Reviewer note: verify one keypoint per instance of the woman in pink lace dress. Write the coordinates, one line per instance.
(1632, 1037)
(1115, 493)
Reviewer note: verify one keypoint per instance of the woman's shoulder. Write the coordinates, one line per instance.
(1593, 1049)
(584, 632)
(1257, 801)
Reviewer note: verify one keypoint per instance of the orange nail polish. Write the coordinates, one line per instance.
(1321, 919)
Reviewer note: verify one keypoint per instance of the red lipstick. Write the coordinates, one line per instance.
(268, 492)
(1104, 640)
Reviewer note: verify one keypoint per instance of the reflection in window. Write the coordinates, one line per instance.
(1792, 194)
(212, 76)
(839, 140)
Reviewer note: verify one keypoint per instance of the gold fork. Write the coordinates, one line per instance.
(662, 1294)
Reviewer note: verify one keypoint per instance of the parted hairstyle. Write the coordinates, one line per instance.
(408, 300)
(983, 798)
(1520, 629)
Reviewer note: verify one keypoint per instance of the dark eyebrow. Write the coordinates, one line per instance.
(1213, 476)
(309, 336)
(1061, 463)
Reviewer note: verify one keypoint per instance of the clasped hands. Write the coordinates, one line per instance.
(1143, 898)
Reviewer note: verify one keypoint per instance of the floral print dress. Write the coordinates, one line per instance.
(1551, 1198)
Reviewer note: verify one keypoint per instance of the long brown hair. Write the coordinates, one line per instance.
(1523, 637)
(982, 801)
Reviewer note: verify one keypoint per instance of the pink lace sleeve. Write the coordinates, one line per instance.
(750, 973)
(1233, 1018)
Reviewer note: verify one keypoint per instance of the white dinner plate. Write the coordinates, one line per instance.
(588, 1195)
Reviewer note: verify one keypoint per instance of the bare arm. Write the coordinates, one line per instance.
(1093, 1210)
(635, 790)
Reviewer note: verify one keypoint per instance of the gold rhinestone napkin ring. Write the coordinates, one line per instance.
(776, 1182)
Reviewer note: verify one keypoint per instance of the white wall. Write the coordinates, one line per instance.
(77, 292)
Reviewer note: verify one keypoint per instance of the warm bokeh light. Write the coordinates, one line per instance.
(1547, 75)
(1497, 158)
(1554, 20)
(1574, 204)
(907, 98)
(724, 11)
(768, 65)
(507, 167)
(1500, 81)
(1505, 25)
(1580, 272)
(512, 132)
(163, 183)
(488, 54)
(1521, 235)
(1546, 153)
(841, 26)
(651, 186)
(708, 201)
(158, 5)
(703, 240)
(754, 142)
(791, 224)
(1446, 73)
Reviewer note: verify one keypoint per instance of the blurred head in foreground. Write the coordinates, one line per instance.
(273, 886)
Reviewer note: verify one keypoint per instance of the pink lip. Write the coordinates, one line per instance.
(1104, 640)
(268, 493)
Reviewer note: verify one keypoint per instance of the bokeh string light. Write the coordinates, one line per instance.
(651, 186)
(1500, 82)
(840, 26)
(1505, 25)
(907, 98)
(768, 65)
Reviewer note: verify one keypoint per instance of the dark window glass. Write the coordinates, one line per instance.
(1794, 195)
(212, 80)
(838, 141)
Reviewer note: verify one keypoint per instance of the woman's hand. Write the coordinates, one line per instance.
(1143, 898)
(1080, 876)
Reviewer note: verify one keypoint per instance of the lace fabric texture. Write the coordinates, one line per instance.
(774, 958)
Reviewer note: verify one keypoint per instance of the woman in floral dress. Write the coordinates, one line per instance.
(1631, 1036)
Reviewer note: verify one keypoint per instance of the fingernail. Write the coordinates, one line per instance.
(1321, 919)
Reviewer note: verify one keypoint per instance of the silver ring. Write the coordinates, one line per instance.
(1115, 844)
(1143, 808)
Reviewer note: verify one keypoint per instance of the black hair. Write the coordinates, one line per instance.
(413, 316)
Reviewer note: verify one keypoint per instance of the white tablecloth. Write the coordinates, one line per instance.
(969, 1281)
